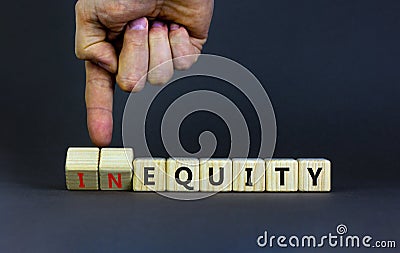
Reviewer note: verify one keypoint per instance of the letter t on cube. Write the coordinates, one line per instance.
(282, 175)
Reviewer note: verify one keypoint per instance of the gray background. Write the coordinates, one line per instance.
(331, 71)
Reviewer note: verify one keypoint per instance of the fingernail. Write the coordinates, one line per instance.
(174, 27)
(137, 24)
(157, 24)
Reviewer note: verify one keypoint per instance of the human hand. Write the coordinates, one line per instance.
(115, 40)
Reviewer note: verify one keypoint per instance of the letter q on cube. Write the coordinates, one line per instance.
(183, 174)
(215, 175)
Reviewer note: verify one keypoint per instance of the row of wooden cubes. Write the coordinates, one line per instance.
(116, 169)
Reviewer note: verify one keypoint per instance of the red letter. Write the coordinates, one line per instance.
(111, 179)
(81, 183)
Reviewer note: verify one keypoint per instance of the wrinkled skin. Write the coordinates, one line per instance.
(121, 40)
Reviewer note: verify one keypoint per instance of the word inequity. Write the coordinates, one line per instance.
(116, 169)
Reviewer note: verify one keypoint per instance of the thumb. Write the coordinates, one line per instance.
(90, 40)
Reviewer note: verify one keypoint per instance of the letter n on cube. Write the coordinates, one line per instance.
(149, 174)
(116, 168)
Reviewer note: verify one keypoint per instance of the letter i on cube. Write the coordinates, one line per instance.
(149, 174)
(248, 175)
(215, 175)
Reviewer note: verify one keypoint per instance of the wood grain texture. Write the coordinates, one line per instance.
(215, 175)
(115, 168)
(81, 168)
(248, 175)
(179, 170)
(282, 175)
(149, 174)
(88, 168)
(320, 170)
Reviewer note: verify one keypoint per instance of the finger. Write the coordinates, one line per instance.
(99, 102)
(134, 57)
(90, 41)
(183, 52)
(160, 52)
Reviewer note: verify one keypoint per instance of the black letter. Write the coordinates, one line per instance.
(248, 171)
(282, 174)
(187, 182)
(147, 176)
(221, 176)
(314, 176)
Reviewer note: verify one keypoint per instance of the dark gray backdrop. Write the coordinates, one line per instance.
(330, 69)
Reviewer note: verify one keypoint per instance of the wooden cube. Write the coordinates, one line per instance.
(248, 175)
(215, 175)
(81, 169)
(314, 175)
(115, 168)
(149, 174)
(282, 175)
(183, 174)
